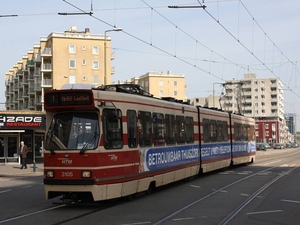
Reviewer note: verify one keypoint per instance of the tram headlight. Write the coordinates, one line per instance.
(86, 174)
(50, 174)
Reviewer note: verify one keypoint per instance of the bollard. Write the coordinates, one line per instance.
(34, 167)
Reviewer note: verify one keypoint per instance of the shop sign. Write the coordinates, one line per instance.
(22, 122)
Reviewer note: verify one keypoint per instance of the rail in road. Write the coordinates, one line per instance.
(264, 193)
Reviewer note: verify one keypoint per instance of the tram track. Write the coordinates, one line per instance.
(234, 212)
(273, 174)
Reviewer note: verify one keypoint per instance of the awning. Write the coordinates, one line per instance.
(11, 131)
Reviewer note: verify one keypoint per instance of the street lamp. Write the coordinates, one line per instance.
(105, 72)
(58, 78)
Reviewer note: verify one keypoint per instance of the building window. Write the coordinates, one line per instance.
(83, 47)
(146, 83)
(72, 79)
(267, 133)
(256, 133)
(72, 48)
(175, 93)
(175, 83)
(161, 93)
(83, 77)
(266, 126)
(72, 64)
(161, 83)
(95, 64)
(95, 79)
(83, 62)
(95, 50)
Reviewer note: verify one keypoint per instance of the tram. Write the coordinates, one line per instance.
(118, 140)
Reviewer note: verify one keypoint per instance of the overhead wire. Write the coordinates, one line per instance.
(245, 47)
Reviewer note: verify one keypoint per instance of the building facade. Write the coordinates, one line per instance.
(260, 98)
(291, 124)
(67, 57)
(162, 84)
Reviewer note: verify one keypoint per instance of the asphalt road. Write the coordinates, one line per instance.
(266, 192)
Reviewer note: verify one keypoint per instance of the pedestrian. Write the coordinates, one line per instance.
(23, 154)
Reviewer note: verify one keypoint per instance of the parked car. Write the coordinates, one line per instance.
(278, 146)
(267, 145)
(260, 146)
(288, 145)
(295, 145)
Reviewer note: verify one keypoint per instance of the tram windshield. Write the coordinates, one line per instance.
(69, 131)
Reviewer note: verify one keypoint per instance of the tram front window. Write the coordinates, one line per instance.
(73, 131)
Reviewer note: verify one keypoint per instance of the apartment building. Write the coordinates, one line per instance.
(162, 84)
(62, 57)
(262, 99)
(67, 57)
(291, 124)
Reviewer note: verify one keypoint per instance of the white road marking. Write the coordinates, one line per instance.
(5, 191)
(187, 218)
(27, 186)
(292, 201)
(271, 162)
(30, 214)
(245, 194)
(148, 222)
(195, 186)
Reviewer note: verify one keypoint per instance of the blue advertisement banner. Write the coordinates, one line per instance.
(161, 158)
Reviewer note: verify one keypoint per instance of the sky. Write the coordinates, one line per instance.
(224, 41)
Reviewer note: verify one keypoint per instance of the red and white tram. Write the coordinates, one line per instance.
(117, 140)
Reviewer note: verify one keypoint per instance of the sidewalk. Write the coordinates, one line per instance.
(13, 169)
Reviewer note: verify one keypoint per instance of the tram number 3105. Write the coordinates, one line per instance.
(67, 174)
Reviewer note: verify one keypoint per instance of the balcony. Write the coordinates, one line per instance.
(47, 83)
(37, 57)
(46, 52)
(37, 87)
(30, 63)
(112, 56)
(47, 67)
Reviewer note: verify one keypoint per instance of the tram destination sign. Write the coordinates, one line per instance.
(68, 98)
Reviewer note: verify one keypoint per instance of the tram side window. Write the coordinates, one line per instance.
(225, 131)
(189, 129)
(170, 129)
(237, 131)
(158, 129)
(219, 131)
(131, 129)
(206, 130)
(145, 129)
(112, 128)
(213, 131)
(244, 136)
(180, 129)
(252, 133)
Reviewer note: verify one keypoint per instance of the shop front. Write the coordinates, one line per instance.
(16, 127)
